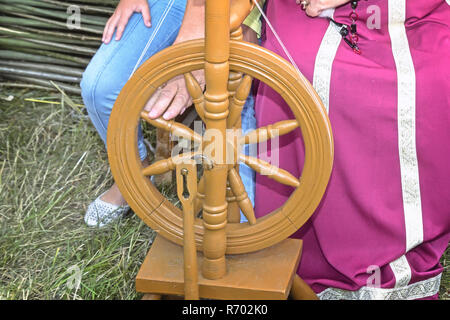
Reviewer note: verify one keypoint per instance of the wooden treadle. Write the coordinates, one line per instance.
(266, 274)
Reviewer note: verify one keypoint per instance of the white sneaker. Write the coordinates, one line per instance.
(101, 213)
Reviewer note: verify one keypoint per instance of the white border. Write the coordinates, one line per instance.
(418, 290)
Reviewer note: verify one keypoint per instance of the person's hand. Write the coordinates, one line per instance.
(122, 14)
(315, 7)
(173, 98)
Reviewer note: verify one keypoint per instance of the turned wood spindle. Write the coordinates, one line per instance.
(238, 101)
(217, 52)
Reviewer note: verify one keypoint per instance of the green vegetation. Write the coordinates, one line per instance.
(52, 165)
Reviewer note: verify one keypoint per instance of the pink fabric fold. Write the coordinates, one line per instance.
(361, 219)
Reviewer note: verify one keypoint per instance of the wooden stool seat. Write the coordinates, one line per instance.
(266, 274)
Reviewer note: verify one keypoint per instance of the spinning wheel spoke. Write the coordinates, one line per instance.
(166, 165)
(159, 167)
(175, 128)
(266, 133)
(238, 101)
(196, 92)
(241, 195)
(273, 172)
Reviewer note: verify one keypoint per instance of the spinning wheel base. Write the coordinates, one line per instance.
(249, 276)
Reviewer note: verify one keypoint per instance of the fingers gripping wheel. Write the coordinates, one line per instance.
(255, 62)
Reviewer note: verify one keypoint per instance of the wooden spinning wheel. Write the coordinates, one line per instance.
(230, 65)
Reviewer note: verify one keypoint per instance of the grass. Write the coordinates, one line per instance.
(52, 165)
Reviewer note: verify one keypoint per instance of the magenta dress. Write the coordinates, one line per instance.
(384, 221)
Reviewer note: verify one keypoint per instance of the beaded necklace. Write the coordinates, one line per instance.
(349, 32)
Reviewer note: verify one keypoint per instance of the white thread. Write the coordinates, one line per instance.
(278, 38)
(152, 37)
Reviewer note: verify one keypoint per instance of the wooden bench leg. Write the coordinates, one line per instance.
(301, 291)
(151, 296)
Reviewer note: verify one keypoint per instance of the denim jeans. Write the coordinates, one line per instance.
(247, 174)
(114, 63)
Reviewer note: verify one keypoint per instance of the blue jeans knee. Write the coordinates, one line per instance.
(113, 64)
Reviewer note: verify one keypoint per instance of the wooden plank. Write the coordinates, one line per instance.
(263, 275)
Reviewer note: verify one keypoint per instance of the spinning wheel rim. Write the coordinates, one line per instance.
(158, 212)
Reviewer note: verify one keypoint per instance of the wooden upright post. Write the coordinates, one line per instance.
(186, 190)
(234, 79)
(217, 36)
